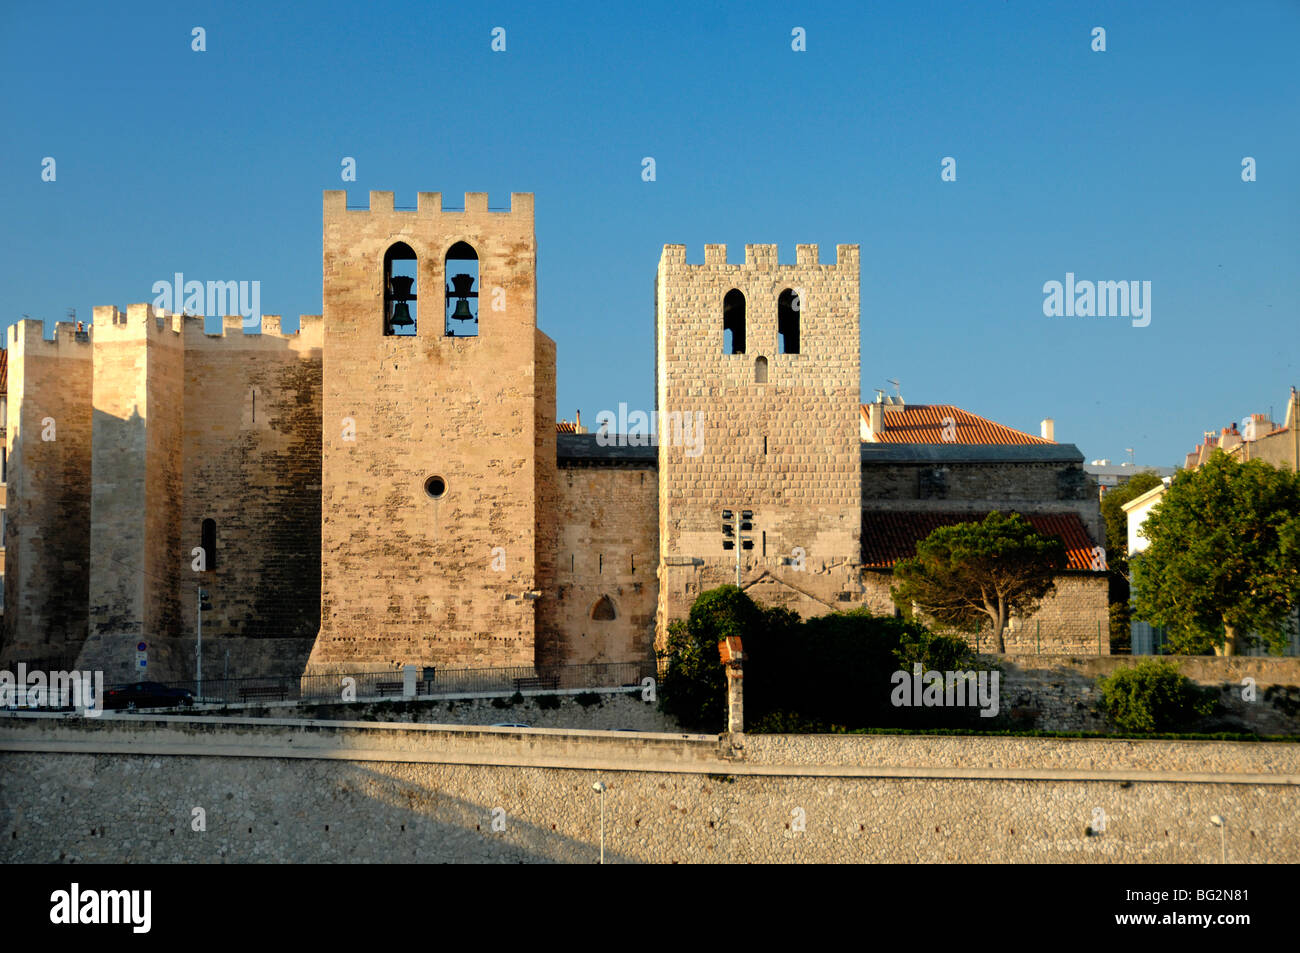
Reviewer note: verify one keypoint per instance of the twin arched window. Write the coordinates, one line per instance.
(787, 323)
(401, 282)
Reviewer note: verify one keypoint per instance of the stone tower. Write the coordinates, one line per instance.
(769, 355)
(436, 446)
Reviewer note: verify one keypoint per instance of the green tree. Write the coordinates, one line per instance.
(694, 685)
(1153, 696)
(1224, 556)
(970, 573)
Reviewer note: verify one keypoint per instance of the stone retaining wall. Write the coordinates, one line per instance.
(127, 789)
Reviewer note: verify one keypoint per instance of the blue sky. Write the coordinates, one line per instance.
(1122, 165)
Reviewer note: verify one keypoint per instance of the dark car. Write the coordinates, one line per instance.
(146, 695)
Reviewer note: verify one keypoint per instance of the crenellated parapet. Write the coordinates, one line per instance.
(762, 257)
(428, 204)
(143, 321)
(28, 337)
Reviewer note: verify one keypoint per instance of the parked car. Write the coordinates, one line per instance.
(511, 724)
(146, 695)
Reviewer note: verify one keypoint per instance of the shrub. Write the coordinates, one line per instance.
(1153, 696)
(587, 699)
(934, 651)
(547, 702)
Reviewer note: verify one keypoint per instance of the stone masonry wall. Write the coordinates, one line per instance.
(788, 449)
(1060, 693)
(47, 538)
(1022, 487)
(669, 799)
(1067, 621)
(607, 548)
(252, 452)
(407, 578)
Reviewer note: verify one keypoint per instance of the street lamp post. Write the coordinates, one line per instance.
(1217, 821)
(599, 788)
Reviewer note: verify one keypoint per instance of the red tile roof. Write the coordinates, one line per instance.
(890, 536)
(565, 426)
(4, 374)
(926, 423)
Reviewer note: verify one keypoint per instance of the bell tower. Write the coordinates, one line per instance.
(438, 407)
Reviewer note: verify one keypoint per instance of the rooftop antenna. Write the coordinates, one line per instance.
(880, 395)
(898, 388)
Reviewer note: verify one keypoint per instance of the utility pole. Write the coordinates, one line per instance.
(599, 788)
(198, 646)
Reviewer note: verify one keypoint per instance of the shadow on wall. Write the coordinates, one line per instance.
(307, 811)
(104, 519)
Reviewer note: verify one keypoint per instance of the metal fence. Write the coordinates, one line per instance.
(428, 682)
(1091, 637)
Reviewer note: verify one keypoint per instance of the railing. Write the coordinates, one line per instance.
(431, 681)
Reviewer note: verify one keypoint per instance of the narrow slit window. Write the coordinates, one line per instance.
(209, 543)
(760, 372)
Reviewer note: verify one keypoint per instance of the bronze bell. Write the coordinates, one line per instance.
(462, 285)
(402, 315)
(402, 287)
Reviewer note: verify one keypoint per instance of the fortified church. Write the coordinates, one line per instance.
(389, 484)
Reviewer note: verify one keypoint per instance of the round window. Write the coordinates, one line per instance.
(435, 486)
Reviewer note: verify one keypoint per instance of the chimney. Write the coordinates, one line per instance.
(1049, 429)
(876, 419)
(577, 422)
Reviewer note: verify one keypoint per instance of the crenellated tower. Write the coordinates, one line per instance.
(438, 438)
(766, 358)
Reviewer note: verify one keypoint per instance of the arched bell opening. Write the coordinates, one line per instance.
(462, 291)
(733, 322)
(400, 278)
(787, 321)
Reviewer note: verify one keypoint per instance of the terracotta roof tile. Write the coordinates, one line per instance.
(565, 426)
(4, 374)
(890, 536)
(927, 423)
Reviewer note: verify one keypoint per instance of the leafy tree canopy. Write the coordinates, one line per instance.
(970, 574)
(1224, 556)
